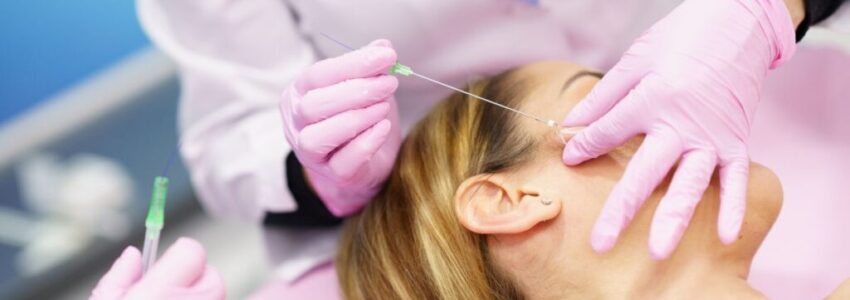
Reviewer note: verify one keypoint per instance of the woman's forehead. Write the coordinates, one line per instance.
(549, 97)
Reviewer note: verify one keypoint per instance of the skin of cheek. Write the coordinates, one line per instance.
(563, 243)
(591, 182)
(584, 188)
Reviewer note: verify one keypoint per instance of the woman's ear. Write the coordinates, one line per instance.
(493, 204)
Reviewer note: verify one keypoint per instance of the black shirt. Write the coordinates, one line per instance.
(816, 12)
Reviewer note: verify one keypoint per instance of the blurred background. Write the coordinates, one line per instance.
(87, 120)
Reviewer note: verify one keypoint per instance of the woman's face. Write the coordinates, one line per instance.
(540, 244)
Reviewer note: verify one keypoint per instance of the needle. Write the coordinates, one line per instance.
(401, 69)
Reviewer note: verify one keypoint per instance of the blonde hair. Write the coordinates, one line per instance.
(407, 243)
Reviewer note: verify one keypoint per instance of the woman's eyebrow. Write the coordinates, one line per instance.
(578, 75)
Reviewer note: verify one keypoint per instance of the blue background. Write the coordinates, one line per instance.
(47, 46)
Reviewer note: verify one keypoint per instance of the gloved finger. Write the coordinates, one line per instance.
(181, 265)
(613, 87)
(364, 62)
(125, 271)
(319, 139)
(320, 104)
(647, 168)
(210, 286)
(381, 43)
(677, 207)
(350, 158)
(607, 133)
(733, 199)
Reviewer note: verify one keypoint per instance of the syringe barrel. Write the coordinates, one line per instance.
(149, 249)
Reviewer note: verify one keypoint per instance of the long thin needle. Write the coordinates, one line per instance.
(171, 159)
(549, 123)
(337, 41)
(482, 98)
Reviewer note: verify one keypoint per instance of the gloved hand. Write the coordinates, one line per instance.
(181, 273)
(341, 119)
(691, 84)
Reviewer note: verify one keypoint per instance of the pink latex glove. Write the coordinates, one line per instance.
(691, 84)
(181, 273)
(341, 119)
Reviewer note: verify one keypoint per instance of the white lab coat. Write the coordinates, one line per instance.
(236, 57)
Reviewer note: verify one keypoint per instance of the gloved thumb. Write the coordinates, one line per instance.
(125, 271)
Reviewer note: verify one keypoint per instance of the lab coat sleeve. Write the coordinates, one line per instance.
(235, 57)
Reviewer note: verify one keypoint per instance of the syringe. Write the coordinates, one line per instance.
(563, 132)
(154, 222)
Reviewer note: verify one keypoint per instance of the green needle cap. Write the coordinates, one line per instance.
(398, 68)
(156, 210)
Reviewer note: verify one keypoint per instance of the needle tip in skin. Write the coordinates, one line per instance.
(566, 133)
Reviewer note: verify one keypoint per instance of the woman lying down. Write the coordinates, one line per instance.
(480, 206)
